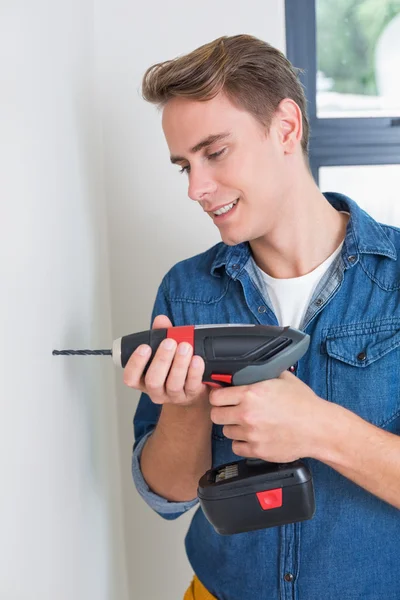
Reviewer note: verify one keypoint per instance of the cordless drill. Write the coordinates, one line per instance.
(246, 494)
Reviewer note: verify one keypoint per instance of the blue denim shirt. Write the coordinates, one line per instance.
(350, 550)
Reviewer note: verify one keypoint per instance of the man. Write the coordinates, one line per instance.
(234, 117)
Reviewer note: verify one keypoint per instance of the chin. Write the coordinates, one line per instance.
(232, 240)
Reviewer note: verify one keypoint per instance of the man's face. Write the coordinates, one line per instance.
(228, 158)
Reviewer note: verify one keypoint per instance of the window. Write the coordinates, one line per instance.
(349, 51)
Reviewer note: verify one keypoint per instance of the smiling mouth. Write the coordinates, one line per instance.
(224, 210)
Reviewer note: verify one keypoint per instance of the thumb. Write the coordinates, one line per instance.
(161, 322)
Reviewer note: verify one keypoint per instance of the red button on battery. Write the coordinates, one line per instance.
(270, 498)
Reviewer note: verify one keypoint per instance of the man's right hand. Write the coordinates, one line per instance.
(174, 376)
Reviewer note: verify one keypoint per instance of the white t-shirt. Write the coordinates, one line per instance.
(291, 297)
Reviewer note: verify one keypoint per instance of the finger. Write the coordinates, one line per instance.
(225, 415)
(133, 371)
(234, 432)
(161, 322)
(158, 370)
(177, 376)
(228, 396)
(287, 375)
(242, 449)
(194, 379)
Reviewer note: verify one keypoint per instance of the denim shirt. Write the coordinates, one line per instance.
(350, 549)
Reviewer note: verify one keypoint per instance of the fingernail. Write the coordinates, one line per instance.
(196, 362)
(168, 344)
(183, 348)
(143, 350)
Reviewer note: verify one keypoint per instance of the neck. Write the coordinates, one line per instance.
(306, 232)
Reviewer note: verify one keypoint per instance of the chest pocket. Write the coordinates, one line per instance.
(363, 370)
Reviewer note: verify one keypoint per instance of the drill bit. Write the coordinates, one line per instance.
(82, 352)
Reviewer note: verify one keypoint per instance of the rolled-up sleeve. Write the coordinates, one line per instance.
(165, 508)
(144, 422)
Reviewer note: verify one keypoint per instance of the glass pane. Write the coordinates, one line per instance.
(375, 188)
(358, 58)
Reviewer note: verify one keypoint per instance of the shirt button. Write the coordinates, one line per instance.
(319, 302)
(352, 258)
(292, 368)
(289, 577)
(362, 356)
(236, 267)
(261, 309)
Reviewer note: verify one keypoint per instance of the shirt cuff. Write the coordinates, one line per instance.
(165, 508)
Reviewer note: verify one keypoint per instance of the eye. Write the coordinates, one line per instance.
(216, 154)
(212, 156)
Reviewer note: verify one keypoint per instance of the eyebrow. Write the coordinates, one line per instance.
(208, 141)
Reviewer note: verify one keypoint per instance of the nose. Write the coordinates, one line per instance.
(201, 185)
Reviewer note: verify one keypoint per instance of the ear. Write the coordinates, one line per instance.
(289, 123)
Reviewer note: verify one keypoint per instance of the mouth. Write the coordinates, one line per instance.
(224, 212)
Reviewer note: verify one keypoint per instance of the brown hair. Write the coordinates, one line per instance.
(253, 74)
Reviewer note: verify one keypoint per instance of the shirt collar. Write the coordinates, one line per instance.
(364, 235)
(233, 258)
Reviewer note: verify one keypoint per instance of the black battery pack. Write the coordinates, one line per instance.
(254, 494)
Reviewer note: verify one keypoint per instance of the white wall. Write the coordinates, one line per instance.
(60, 517)
(152, 223)
(81, 153)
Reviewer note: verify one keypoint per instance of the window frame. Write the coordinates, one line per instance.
(338, 141)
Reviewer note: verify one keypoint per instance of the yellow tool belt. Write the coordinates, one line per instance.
(197, 591)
